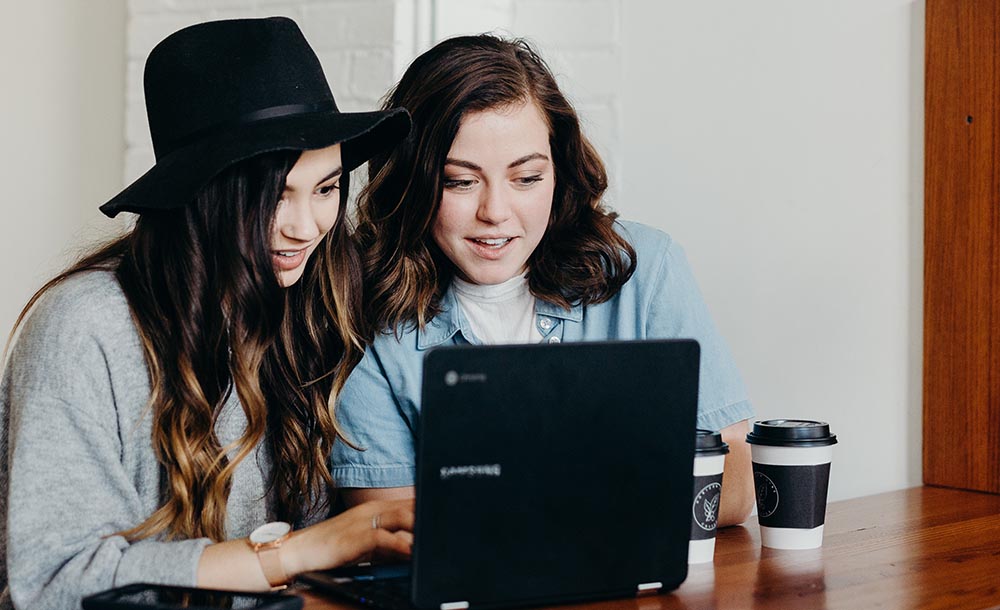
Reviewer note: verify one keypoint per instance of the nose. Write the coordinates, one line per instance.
(494, 208)
(296, 219)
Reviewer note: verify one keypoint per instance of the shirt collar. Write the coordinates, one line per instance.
(544, 308)
(443, 326)
(451, 321)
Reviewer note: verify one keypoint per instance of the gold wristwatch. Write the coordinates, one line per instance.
(265, 541)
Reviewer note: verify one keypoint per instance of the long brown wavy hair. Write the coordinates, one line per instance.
(212, 318)
(581, 259)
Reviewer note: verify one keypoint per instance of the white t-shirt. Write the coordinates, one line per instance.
(499, 313)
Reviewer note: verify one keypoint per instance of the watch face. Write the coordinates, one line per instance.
(269, 532)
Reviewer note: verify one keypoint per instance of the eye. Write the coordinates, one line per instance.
(528, 180)
(460, 186)
(328, 190)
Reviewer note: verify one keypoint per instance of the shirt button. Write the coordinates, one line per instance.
(554, 339)
(545, 323)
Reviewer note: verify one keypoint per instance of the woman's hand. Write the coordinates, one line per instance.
(381, 528)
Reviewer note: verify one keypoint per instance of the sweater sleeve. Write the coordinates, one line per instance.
(77, 462)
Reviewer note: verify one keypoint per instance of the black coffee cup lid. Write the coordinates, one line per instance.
(791, 433)
(709, 442)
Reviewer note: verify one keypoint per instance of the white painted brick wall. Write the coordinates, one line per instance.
(351, 24)
(453, 17)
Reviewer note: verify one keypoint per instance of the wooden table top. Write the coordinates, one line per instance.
(920, 548)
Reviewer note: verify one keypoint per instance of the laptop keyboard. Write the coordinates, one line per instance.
(386, 593)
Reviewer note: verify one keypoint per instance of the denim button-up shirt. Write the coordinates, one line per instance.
(380, 403)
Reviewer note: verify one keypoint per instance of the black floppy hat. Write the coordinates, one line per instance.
(224, 91)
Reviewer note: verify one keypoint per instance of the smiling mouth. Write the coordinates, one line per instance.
(286, 260)
(495, 243)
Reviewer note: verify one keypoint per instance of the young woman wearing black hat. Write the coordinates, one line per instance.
(167, 406)
(487, 226)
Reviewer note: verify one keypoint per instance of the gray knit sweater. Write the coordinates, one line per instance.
(76, 459)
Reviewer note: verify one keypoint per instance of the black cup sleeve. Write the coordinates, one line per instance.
(791, 496)
(705, 506)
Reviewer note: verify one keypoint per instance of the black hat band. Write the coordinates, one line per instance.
(251, 117)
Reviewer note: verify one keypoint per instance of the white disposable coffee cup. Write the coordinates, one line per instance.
(709, 461)
(791, 466)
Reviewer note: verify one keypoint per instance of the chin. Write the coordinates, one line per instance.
(490, 278)
(288, 280)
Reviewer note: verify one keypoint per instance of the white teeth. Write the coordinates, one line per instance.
(494, 242)
(286, 254)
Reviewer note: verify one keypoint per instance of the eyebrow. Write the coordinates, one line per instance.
(527, 158)
(465, 164)
(333, 174)
(473, 166)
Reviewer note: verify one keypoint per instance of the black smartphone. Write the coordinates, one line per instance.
(162, 597)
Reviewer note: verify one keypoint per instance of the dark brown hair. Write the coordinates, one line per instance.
(213, 319)
(581, 259)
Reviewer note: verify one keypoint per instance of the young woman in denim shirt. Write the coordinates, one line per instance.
(487, 226)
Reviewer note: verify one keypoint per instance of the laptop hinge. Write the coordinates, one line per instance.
(648, 588)
(455, 606)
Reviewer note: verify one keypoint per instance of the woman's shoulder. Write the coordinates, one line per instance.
(75, 341)
(655, 250)
(88, 302)
(400, 342)
(643, 237)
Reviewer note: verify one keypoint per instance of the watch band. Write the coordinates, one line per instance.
(270, 564)
(266, 542)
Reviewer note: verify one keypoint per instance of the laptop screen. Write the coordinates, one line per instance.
(551, 473)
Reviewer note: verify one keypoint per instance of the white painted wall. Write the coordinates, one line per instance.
(63, 69)
(781, 142)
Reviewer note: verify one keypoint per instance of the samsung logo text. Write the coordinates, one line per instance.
(452, 378)
(476, 471)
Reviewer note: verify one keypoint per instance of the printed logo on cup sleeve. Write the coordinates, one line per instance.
(767, 494)
(706, 506)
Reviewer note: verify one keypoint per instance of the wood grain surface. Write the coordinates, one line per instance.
(961, 246)
(917, 549)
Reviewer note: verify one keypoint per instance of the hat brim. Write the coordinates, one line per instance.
(179, 175)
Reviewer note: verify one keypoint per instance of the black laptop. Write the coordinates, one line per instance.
(545, 474)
